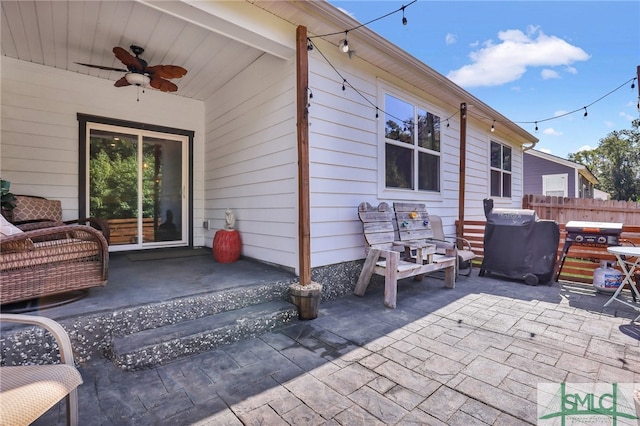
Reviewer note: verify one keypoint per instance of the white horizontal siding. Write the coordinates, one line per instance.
(345, 157)
(39, 151)
(251, 160)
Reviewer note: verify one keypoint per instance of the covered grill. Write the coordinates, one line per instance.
(591, 234)
(519, 245)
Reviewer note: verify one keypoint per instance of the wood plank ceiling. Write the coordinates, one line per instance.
(59, 33)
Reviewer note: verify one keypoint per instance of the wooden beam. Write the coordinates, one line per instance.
(304, 221)
(462, 171)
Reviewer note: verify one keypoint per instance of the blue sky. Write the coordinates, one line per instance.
(529, 60)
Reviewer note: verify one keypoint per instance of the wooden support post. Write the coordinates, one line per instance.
(462, 172)
(304, 221)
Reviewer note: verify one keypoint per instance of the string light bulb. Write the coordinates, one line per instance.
(447, 122)
(343, 84)
(344, 44)
(493, 126)
(585, 112)
(633, 84)
(404, 19)
(536, 126)
(309, 45)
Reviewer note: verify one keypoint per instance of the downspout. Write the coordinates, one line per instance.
(302, 118)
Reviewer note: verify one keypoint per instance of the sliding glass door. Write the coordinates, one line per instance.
(137, 181)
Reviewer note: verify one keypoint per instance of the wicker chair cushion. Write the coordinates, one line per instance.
(46, 252)
(6, 228)
(31, 208)
(27, 392)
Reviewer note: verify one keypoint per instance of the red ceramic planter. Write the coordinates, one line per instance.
(226, 245)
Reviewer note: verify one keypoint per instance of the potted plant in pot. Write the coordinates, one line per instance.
(7, 198)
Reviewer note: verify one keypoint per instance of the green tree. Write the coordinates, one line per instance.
(616, 163)
(114, 180)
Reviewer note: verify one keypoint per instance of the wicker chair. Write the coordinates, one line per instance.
(29, 391)
(33, 212)
(52, 260)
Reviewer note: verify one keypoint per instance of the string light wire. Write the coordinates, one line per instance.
(369, 22)
(584, 108)
(311, 45)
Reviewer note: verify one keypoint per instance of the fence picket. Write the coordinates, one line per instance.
(581, 260)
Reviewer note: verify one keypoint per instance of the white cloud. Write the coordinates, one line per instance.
(609, 124)
(345, 11)
(545, 150)
(549, 74)
(550, 131)
(498, 63)
(585, 148)
(571, 70)
(626, 116)
(450, 38)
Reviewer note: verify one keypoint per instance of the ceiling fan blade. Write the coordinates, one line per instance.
(128, 59)
(122, 82)
(166, 71)
(163, 85)
(100, 67)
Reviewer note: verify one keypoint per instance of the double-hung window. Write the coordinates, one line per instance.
(500, 170)
(412, 146)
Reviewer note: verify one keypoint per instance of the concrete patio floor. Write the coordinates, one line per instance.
(472, 355)
(138, 278)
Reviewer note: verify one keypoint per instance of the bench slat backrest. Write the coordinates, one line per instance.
(413, 221)
(378, 227)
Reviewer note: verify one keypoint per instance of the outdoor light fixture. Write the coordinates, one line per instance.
(137, 79)
(344, 46)
(493, 126)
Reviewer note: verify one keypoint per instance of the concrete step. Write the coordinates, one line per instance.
(151, 347)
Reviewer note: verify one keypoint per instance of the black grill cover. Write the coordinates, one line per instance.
(519, 245)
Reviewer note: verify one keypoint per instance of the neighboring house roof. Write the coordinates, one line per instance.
(215, 39)
(581, 168)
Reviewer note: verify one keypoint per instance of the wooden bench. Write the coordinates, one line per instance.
(414, 223)
(393, 259)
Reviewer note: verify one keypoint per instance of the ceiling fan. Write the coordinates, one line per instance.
(139, 73)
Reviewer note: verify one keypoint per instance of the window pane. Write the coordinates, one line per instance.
(113, 175)
(506, 158)
(428, 130)
(495, 183)
(398, 120)
(496, 156)
(398, 167)
(428, 172)
(506, 184)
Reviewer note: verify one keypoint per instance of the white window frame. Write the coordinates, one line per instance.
(551, 181)
(407, 193)
(501, 170)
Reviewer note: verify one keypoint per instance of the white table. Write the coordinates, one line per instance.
(629, 261)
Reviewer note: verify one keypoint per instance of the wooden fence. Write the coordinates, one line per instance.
(580, 261)
(564, 209)
(125, 231)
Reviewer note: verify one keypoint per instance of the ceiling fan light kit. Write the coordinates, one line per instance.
(138, 73)
(137, 79)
